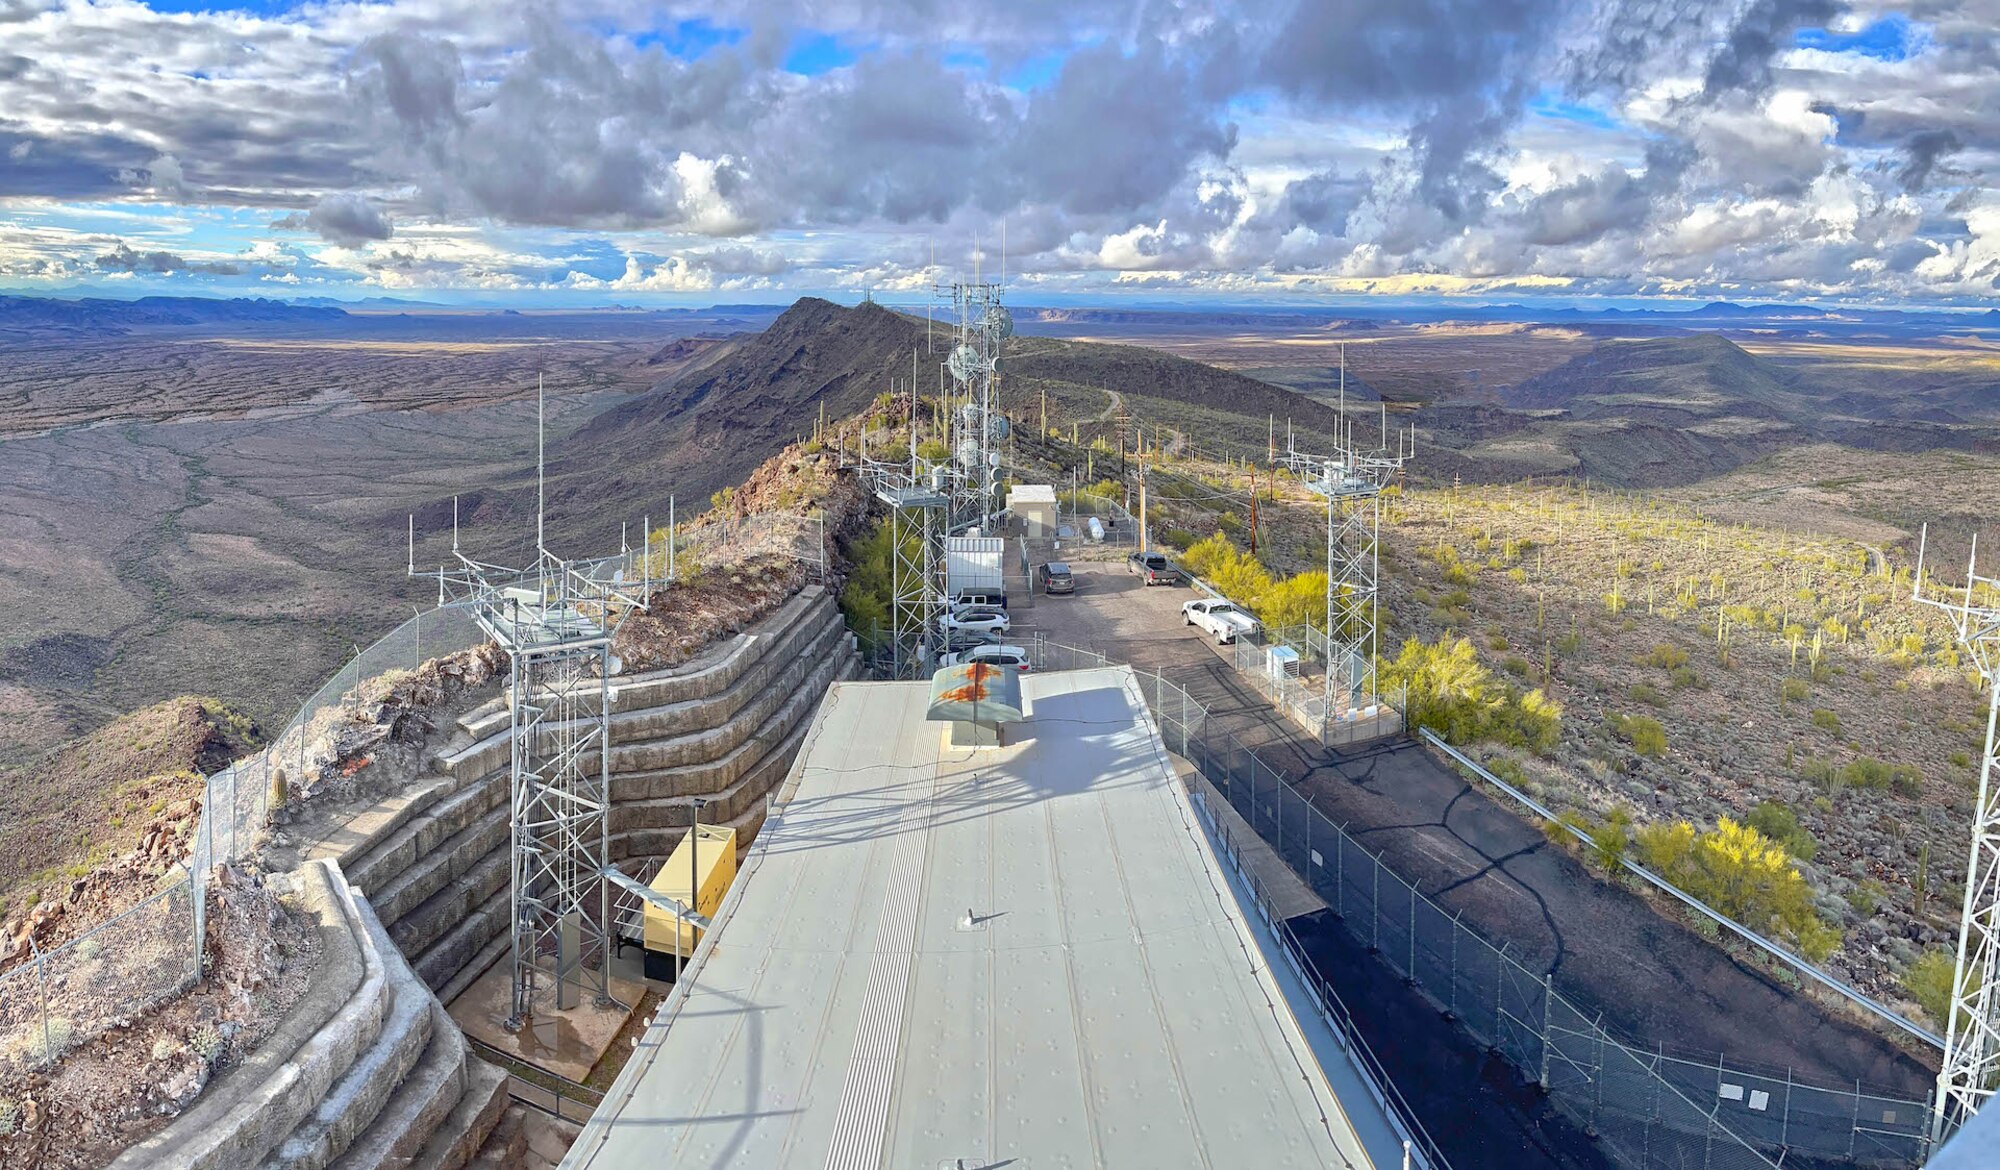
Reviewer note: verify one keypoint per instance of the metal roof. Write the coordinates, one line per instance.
(1025, 956)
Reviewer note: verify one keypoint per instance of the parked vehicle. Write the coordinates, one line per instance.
(993, 653)
(979, 599)
(1220, 618)
(1154, 568)
(976, 620)
(951, 642)
(1056, 578)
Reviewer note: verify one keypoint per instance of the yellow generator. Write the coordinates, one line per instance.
(703, 864)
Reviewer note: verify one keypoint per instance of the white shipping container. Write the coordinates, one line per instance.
(973, 562)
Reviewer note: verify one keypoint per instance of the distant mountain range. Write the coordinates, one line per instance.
(106, 316)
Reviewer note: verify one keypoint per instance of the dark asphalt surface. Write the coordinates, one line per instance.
(1652, 981)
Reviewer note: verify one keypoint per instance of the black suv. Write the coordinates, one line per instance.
(1056, 578)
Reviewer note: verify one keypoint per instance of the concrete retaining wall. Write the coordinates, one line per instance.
(316, 1093)
(368, 1072)
(723, 726)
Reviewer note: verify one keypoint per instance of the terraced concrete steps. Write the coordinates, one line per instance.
(353, 1101)
(366, 1073)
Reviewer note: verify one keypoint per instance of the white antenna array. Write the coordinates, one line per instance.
(1971, 1066)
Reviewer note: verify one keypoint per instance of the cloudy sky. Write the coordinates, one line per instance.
(601, 151)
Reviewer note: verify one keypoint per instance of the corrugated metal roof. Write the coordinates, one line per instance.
(1025, 956)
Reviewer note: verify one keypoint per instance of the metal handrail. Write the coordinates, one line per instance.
(1797, 962)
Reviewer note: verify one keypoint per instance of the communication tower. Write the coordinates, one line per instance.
(929, 500)
(1971, 1068)
(556, 620)
(1351, 480)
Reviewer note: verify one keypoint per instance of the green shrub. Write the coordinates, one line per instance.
(1455, 696)
(1641, 693)
(1515, 665)
(1644, 733)
(1826, 720)
(1780, 824)
(1609, 840)
(1684, 678)
(1792, 690)
(1666, 656)
(1742, 875)
(1873, 774)
(1929, 983)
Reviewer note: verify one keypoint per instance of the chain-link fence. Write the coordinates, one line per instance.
(1650, 1110)
(52, 1001)
(58, 999)
(1114, 527)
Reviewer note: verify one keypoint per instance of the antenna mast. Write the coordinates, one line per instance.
(1971, 1067)
(556, 621)
(1351, 480)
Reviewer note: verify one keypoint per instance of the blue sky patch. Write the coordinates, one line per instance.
(252, 7)
(689, 39)
(812, 54)
(1888, 39)
(1551, 104)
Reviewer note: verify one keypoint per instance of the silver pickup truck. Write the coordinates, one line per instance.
(1220, 618)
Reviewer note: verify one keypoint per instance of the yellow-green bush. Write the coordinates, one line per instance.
(1743, 875)
(1455, 696)
(1643, 732)
(1929, 983)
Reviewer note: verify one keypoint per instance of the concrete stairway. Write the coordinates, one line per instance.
(366, 1072)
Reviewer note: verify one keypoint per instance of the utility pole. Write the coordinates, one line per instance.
(1144, 542)
(1045, 413)
(1253, 511)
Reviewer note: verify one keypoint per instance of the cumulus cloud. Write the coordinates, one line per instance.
(123, 259)
(341, 218)
(1232, 144)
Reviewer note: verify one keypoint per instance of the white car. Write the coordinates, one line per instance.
(1220, 618)
(977, 621)
(993, 654)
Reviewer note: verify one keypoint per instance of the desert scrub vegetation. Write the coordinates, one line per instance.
(1743, 875)
(1728, 638)
(1452, 694)
(1298, 600)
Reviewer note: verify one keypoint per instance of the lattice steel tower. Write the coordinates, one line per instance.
(1351, 481)
(1971, 1069)
(931, 499)
(556, 621)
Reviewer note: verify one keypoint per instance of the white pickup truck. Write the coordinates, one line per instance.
(1220, 618)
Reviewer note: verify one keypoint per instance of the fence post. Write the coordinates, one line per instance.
(200, 914)
(1375, 901)
(1597, 1098)
(1548, 994)
(1856, 1125)
(1785, 1121)
(1339, 873)
(1453, 981)
(1499, 1002)
(42, 980)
